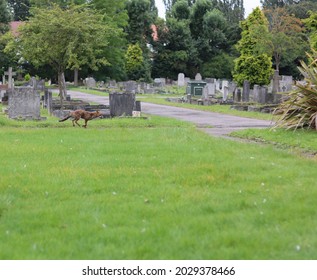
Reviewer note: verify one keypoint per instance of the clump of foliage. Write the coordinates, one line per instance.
(253, 64)
(300, 108)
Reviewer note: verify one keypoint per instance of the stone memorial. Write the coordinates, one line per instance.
(198, 77)
(181, 80)
(24, 103)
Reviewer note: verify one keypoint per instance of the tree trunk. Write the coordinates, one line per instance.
(76, 77)
(62, 87)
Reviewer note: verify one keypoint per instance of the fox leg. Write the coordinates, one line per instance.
(76, 121)
(85, 125)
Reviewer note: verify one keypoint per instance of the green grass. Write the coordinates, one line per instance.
(223, 109)
(301, 139)
(150, 189)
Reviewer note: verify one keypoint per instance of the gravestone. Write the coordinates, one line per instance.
(3, 92)
(121, 104)
(112, 83)
(90, 82)
(129, 87)
(260, 94)
(181, 80)
(224, 84)
(48, 100)
(198, 77)
(225, 93)
(286, 83)
(159, 82)
(24, 103)
(246, 91)
(211, 86)
(276, 82)
(10, 75)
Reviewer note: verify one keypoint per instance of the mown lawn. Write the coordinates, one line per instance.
(150, 189)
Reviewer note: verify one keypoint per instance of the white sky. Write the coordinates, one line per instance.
(249, 5)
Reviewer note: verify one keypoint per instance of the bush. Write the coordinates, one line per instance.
(300, 108)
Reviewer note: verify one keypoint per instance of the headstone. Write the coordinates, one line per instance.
(246, 91)
(181, 80)
(48, 100)
(276, 82)
(224, 84)
(260, 94)
(159, 82)
(225, 93)
(198, 77)
(10, 75)
(130, 87)
(112, 83)
(90, 82)
(121, 104)
(286, 83)
(211, 86)
(24, 103)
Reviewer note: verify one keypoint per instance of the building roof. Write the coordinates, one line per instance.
(14, 25)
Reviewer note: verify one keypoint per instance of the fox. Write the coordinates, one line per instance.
(78, 114)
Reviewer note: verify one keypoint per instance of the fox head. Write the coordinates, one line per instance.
(98, 113)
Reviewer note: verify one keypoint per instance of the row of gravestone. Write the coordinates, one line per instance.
(24, 103)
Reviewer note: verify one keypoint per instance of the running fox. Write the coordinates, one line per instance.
(76, 115)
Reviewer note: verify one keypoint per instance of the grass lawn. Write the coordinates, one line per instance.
(150, 189)
(302, 140)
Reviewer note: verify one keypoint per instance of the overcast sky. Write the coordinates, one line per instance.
(249, 5)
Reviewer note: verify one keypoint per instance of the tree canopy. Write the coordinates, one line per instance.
(63, 38)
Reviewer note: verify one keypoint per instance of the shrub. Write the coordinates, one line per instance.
(300, 108)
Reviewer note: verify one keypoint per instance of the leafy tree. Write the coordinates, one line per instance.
(4, 27)
(63, 39)
(5, 17)
(20, 9)
(135, 62)
(302, 8)
(285, 37)
(61, 3)
(252, 65)
(116, 17)
(311, 23)
(141, 16)
(180, 10)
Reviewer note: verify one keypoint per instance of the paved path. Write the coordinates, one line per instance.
(212, 123)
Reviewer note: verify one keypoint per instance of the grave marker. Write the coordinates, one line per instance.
(10, 75)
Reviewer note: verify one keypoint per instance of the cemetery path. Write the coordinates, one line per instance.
(215, 124)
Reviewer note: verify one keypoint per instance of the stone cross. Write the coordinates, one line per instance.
(10, 74)
(276, 82)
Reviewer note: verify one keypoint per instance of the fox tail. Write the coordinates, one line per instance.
(64, 119)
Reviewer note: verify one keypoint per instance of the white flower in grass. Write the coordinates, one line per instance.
(114, 193)
(297, 248)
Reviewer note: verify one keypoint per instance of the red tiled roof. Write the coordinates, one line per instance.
(14, 25)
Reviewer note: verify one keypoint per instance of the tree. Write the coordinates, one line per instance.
(4, 27)
(5, 17)
(64, 39)
(311, 23)
(20, 9)
(134, 62)
(302, 8)
(141, 16)
(252, 65)
(285, 37)
(116, 17)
